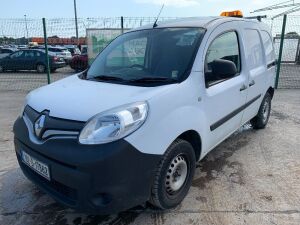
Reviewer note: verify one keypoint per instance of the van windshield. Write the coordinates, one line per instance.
(154, 56)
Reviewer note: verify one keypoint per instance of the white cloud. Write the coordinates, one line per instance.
(175, 3)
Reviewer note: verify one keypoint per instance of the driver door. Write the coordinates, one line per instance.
(14, 62)
(224, 97)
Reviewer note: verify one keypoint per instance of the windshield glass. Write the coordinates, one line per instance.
(154, 55)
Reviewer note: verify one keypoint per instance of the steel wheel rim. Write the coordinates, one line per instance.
(176, 174)
(266, 109)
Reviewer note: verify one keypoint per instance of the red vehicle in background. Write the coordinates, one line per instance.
(79, 62)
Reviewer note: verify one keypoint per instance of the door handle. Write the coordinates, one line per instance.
(252, 82)
(244, 87)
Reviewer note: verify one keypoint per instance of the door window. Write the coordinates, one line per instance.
(224, 47)
(17, 55)
(29, 54)
(254, 50)
(268, 45)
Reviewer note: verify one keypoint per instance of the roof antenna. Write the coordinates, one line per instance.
(155, 23)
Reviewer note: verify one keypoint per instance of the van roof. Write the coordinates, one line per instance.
(203, 22)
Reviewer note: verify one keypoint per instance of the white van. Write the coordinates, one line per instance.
(156, 100)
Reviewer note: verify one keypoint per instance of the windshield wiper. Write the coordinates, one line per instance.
(153, 79)
(107, 78)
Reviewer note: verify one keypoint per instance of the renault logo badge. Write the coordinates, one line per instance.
(39, 125)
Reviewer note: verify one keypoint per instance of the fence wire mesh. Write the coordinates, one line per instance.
(18, 33)
(289, 76)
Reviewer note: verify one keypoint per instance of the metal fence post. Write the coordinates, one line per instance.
(297, 60)
(46, 51)
(280, 50)
(122, 24)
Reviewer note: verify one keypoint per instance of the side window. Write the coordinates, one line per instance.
(29, 54)
(254, 50)
(38, 54)
(17, 54)
(224, 47)
(268, 45)
(130, 53)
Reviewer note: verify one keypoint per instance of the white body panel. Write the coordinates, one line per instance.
(76, 99)
(173, 109)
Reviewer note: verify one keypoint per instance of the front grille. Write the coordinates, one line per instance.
(53, 123)
(69, 194)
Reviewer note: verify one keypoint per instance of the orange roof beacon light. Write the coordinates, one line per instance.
(235, 13)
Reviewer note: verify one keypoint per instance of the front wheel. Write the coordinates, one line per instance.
(261, 119)
(174, 175)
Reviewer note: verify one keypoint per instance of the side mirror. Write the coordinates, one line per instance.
(223, 69)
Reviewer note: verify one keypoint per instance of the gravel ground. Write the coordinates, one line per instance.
(251, 178)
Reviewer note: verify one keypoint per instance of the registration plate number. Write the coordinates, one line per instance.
(39, 167)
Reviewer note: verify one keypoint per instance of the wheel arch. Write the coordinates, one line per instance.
(271, 91)
(40, 63)
(194, 138)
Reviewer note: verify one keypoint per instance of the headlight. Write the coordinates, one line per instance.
(114, 124)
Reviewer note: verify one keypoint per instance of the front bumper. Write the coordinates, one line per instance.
(100, 179)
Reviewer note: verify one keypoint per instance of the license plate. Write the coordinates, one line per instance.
(39, 167)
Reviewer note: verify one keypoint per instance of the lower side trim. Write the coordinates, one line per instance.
(232, 114)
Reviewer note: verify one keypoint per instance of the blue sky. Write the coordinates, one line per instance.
(113, 8)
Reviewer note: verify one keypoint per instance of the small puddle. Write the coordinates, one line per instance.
(215, 161)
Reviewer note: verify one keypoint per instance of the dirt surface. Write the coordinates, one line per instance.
(29, 80)
(251, 178)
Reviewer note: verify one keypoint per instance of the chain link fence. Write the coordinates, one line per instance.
(18, 33)
(289, 76)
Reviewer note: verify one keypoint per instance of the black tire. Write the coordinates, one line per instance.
(161, 195)
(40, 68)
(53, 70)
(261, 119)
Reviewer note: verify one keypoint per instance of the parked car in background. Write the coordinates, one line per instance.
(74, 51)
(61, 52)
(30, 59)
(22, 46)
(84, 49)
(37, 47)
(6, 51)
(13, 46)
(79, 62)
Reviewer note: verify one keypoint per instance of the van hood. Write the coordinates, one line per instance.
(76, 99)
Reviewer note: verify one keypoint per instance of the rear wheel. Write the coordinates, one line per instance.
(40, 68)
(261, 119)
(174, 175)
